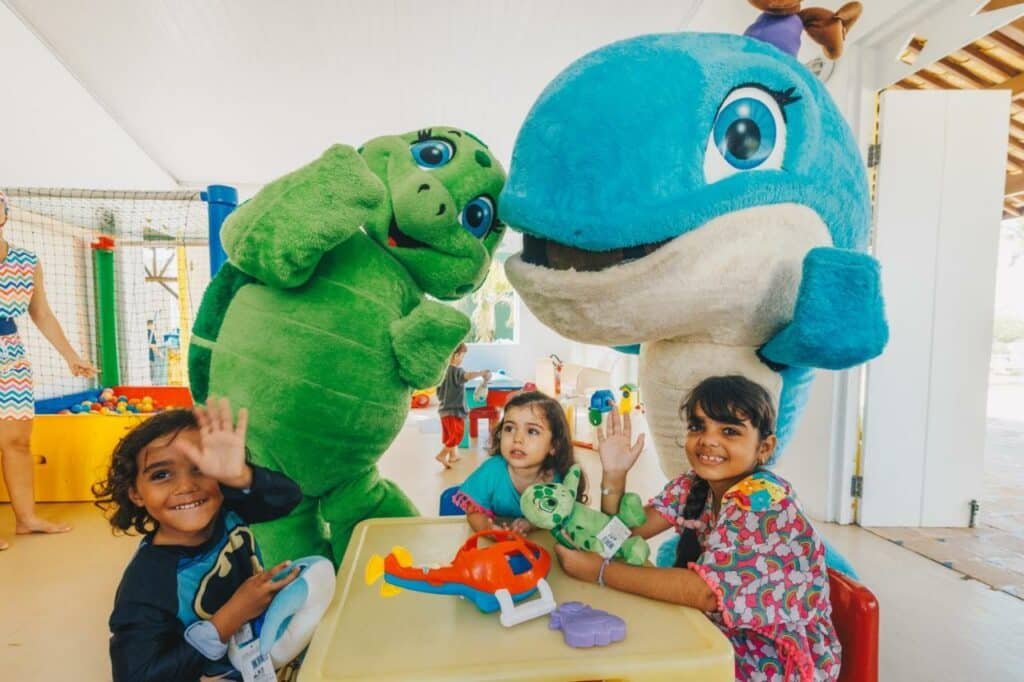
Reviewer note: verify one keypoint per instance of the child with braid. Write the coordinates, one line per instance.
(748, 556)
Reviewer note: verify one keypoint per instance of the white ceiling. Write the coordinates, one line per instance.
(241, 91)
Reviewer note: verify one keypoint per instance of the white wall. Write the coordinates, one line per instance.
(55, 133)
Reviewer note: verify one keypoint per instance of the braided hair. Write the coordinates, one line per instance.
(728, 399)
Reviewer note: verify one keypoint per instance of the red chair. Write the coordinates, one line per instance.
(855, 617)
(491, 414)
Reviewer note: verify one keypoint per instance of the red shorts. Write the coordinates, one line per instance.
(452, 429)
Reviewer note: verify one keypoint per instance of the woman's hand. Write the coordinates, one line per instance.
(221, 451)
(252, 598)
(618, 455)
(581, 565)
(80, 367)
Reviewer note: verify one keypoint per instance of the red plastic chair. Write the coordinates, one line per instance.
(491, 414)
(855, 617)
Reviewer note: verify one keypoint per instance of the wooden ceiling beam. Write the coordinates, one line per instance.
(1007, 42)
(976, 78)
(936, 80)
(1014, 185)
(1015, 85)
(990, 60)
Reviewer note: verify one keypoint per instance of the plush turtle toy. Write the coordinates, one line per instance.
(320, 323)
(553, 506)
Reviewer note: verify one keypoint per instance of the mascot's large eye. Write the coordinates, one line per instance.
(431, 154)
(749, 134)
(478, 216)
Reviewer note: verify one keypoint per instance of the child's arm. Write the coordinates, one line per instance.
(256, 494)
(672, 585)
(479, 521)
(486, 373)
(145, 634)
(251, 599)
(145, 644)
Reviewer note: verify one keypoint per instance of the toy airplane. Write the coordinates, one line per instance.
(493, 577)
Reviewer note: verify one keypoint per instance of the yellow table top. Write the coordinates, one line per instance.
(428, 637)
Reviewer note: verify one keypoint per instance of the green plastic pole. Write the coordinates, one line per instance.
(106, 311)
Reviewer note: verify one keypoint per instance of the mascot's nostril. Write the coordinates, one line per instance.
(441, 209)
(423, 188)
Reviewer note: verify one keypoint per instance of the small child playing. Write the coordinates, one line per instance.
(451, 395)
(748, 556)
(182, 479)
(533, 442)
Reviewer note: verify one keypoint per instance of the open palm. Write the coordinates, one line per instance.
(618, 454)
(221, 451)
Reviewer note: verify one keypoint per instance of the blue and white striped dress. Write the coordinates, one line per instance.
(17, 280)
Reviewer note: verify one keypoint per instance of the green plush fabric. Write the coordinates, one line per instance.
(554, 506)
(320, 325)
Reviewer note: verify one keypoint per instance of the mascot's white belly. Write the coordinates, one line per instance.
(701, 306)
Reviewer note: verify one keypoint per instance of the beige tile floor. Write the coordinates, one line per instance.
(56, 592)
(993, 552)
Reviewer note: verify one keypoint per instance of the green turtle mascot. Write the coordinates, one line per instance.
(320, 322)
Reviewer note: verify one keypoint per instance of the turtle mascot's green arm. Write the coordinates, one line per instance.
(320, 322)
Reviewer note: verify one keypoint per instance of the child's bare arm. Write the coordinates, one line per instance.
(655, 523)
(482, 373)
(479, 521)
(251, 599)
(672, 585)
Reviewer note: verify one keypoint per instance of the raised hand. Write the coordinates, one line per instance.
(221, 451)
(618, 454)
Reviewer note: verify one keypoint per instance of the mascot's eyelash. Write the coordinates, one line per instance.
(784, 97)
(425, 134)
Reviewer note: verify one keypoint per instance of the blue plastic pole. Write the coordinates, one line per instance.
(221, 200)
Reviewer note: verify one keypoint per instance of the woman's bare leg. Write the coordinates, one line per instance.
(15, 437)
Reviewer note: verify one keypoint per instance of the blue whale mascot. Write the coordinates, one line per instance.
(697, 199)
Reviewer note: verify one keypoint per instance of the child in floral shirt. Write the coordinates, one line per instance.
(748, 556)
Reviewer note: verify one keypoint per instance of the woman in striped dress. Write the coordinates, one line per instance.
(21, 291)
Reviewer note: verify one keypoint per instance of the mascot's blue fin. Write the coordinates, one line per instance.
(839, 319)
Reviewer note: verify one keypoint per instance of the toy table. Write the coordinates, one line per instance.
(416, 636)
(499, 388)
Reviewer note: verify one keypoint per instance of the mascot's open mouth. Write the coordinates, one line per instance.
(398, 238)
(549, 254)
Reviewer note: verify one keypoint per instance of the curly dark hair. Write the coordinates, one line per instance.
(562, 459)
(730, 400)
(112, 493)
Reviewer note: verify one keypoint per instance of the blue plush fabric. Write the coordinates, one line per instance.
(839, 319)
(637, 172)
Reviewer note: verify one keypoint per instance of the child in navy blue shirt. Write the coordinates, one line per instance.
(181, 477)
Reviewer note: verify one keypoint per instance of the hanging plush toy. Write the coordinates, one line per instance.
(320, 324)
(783, 23)
(698, 199)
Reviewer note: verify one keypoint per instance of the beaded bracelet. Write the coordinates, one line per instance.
(600, 574)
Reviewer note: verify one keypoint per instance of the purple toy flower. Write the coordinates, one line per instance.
(585, 627)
